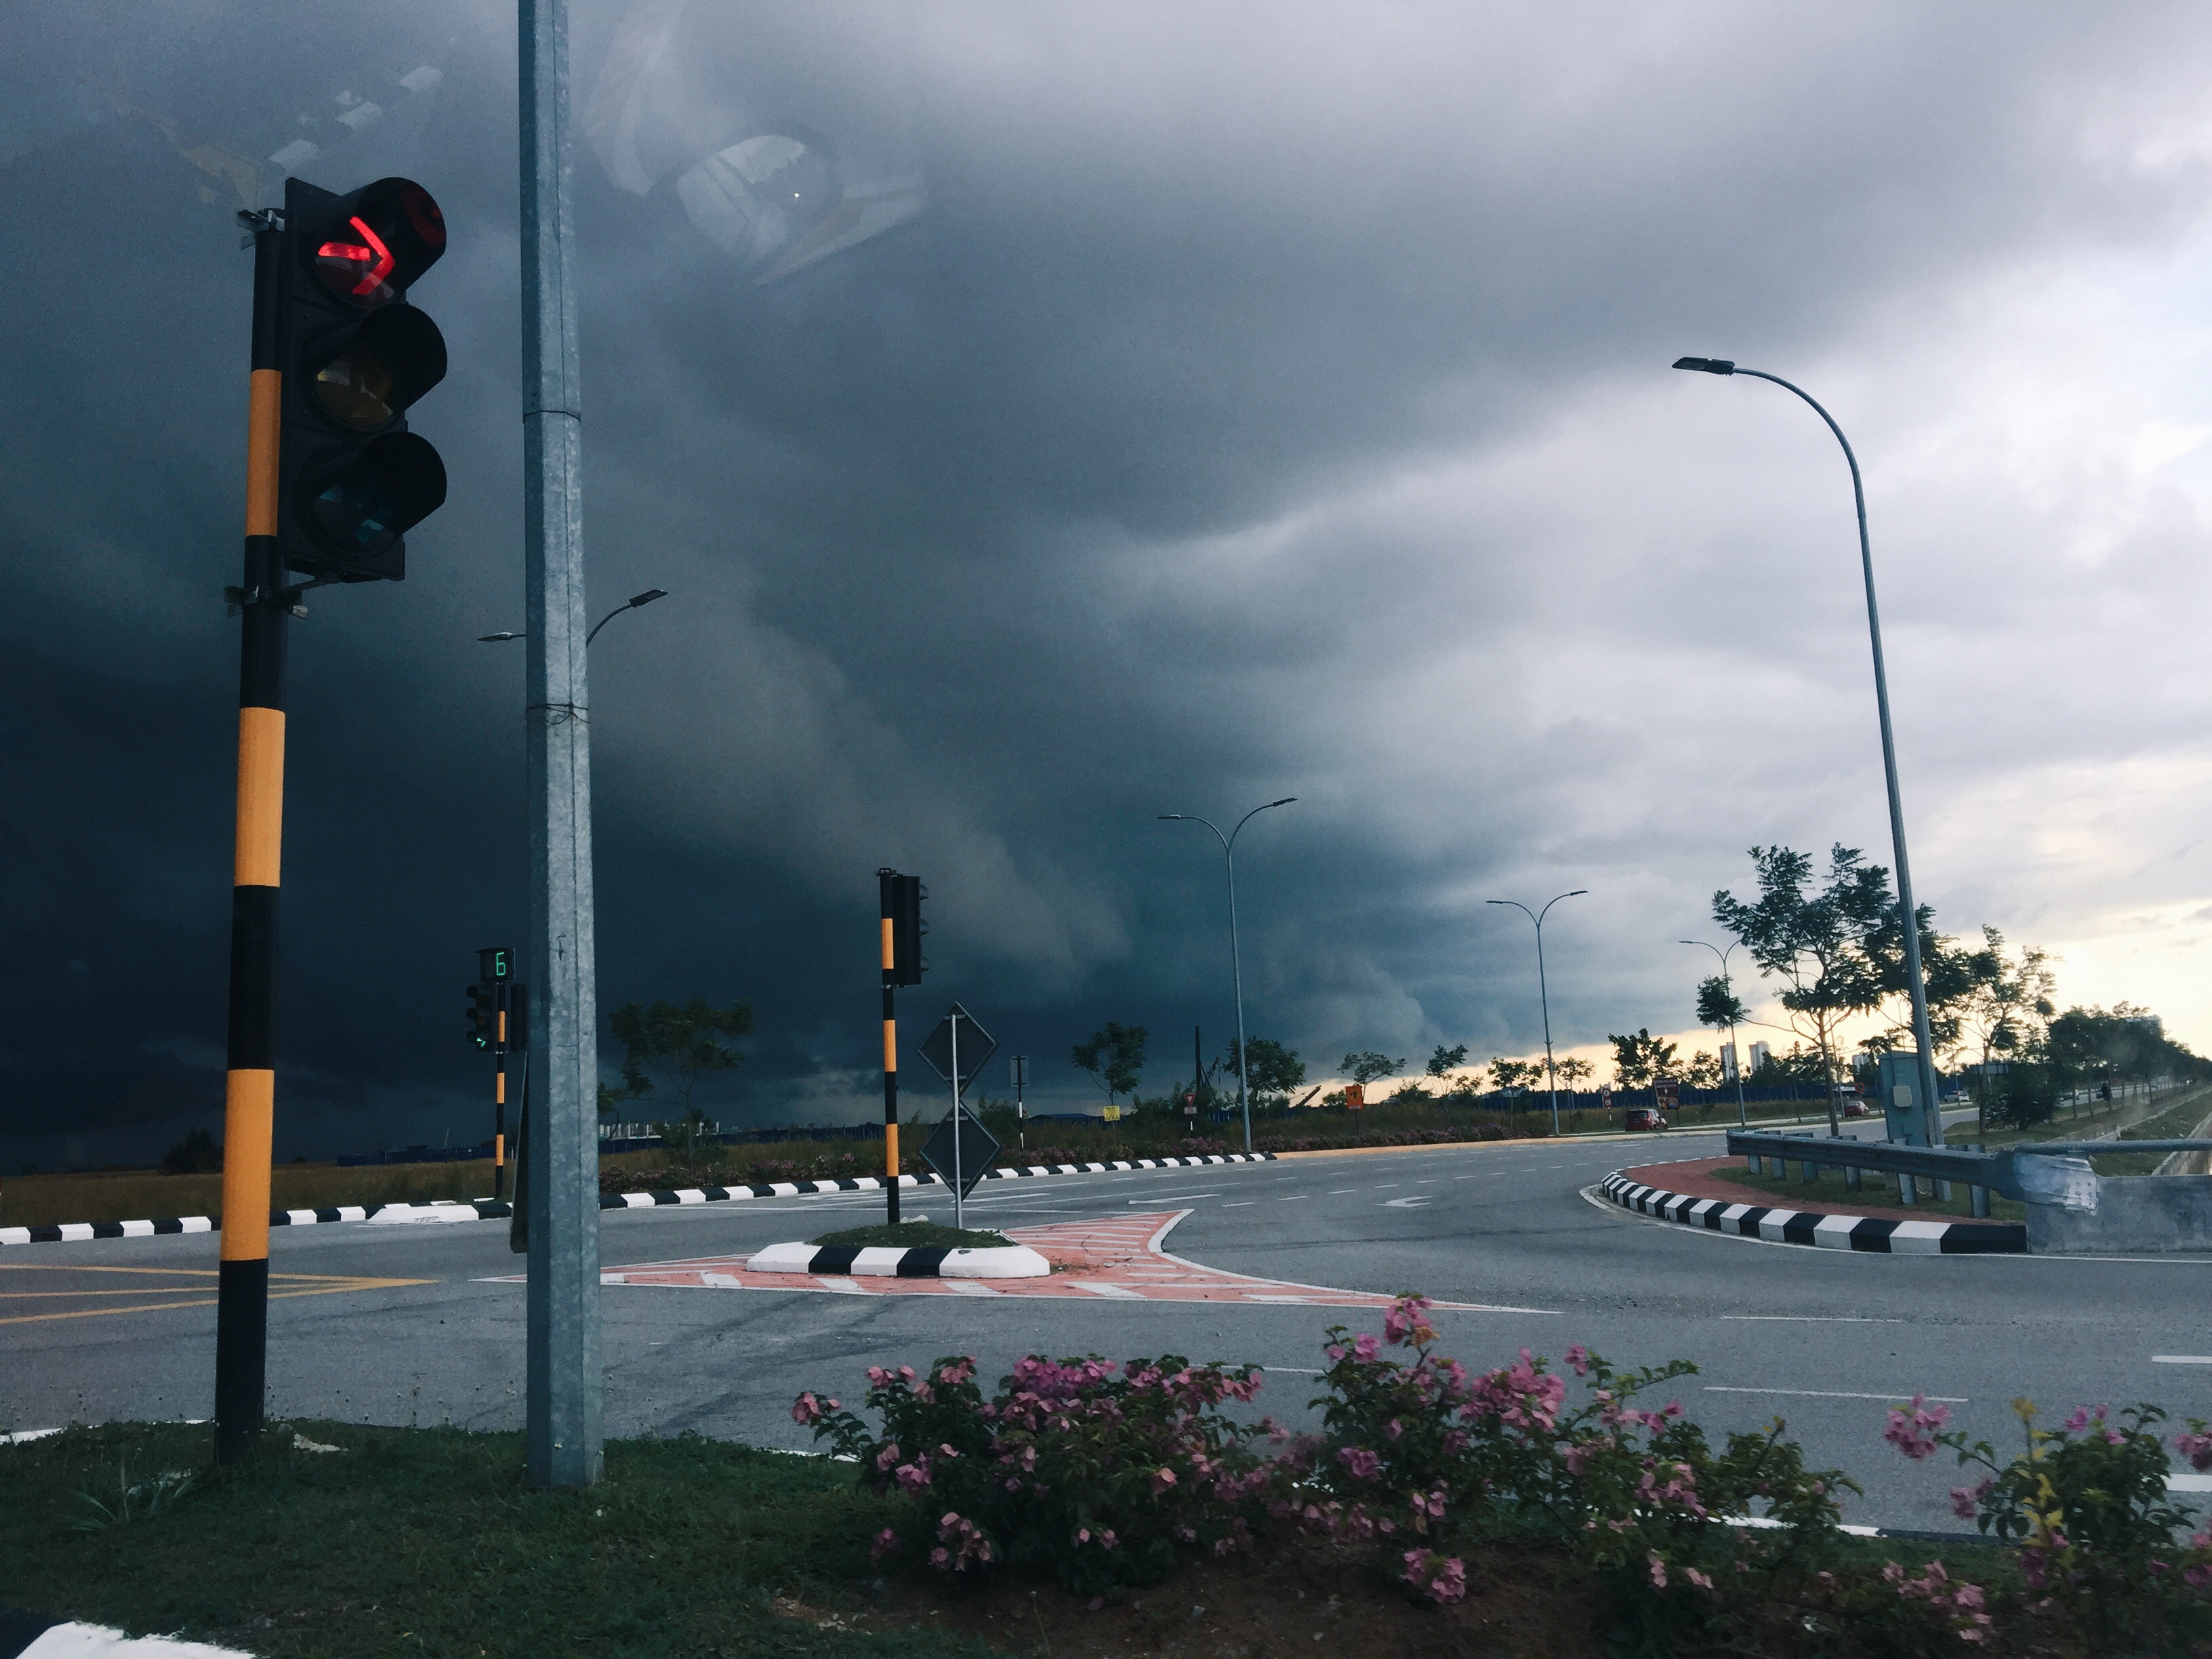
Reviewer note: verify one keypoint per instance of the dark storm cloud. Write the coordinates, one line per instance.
(1198, 441)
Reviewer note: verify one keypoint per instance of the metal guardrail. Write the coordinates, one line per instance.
(1983, 1172)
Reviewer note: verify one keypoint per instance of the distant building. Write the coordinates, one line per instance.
(1760, 1054)
(1727, 1062)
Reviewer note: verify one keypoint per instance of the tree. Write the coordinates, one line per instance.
(1510, 1074)
(1366, 1066)
(196, 1154)
(1701, 1071)
(1114, 1057)
(2006, 1015)
(682, 1044)
(1573, 1070)
(1639, 1059)
(1275, 1071)
(1445, 1062)
(1818, 944)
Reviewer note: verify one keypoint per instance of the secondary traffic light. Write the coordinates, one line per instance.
(484, 1014)
(355, 356)
(901, 903)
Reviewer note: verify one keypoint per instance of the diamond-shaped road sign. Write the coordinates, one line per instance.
(978, 1146)
(977, 1046)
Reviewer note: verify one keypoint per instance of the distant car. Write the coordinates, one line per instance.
(1855, 1109)
(1645, 1117)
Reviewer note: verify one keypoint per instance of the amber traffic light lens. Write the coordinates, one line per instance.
(355, 390)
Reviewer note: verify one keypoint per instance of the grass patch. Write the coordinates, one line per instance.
(915, 1235)
(1879, 1192)
(427, 1540)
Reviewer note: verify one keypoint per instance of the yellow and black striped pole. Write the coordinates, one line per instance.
(499, 1098)
(250, 1092)
(887, 884)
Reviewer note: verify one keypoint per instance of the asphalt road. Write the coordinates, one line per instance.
(421, 1324)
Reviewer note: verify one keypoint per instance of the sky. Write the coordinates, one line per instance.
(1178, 408)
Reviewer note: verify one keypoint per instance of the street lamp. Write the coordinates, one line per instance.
(630, 604)
(1542, 994)
(1236, 967)
(1742, 1119)
(1931, 1111)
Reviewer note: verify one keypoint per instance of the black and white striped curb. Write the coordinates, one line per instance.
(488, 1209)
(25, 1635)
(1820, 1230)
(907, 1261)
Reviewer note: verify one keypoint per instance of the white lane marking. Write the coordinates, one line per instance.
(2181, 1359)
(1162, 1197)
(21, 1435)
(1431, 1182)
(1384, 1188)
(844, 1286)
(1241, 1204)
(1294, 1198)
(970, 1287)
(1099, 1287)
(1413, 1203)
(1839, 1394)
(1334, 1192)
(1819, 1319)
(2188, 1483)
(1298, 1370)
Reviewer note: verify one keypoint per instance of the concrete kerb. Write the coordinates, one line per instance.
(909, 1261)
(1866, 1234)
(487, 1209)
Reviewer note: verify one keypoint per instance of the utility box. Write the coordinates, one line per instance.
(1903, 1109)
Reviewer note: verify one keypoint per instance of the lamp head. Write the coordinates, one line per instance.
(1285, 801)
(1578, 893)
(647, 597)
(1706, 365)
(494, 639)
(1170, 817)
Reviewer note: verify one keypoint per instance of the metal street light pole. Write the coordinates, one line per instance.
(562, 1369)
(1236, 967)
(1931, 1110)
(1543, 996)
(1742, 1119)
(630, 604)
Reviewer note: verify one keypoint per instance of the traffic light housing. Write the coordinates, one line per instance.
(901, 903)
(484, 1014)
(352, 479)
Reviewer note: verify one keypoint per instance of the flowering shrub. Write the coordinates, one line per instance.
(2100, 1539)
(1421, 1452)
(1104, 1475)
(1098, 1473)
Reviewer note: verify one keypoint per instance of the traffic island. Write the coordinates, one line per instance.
(1694, 1193)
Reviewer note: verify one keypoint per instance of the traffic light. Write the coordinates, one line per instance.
(902, 896)
(484, 1014)
(494, 962)
(352, 478)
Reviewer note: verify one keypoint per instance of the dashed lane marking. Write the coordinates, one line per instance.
(1118, 1258)
(1839, 1394)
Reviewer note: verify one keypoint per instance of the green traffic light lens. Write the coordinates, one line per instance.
(356, 516)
